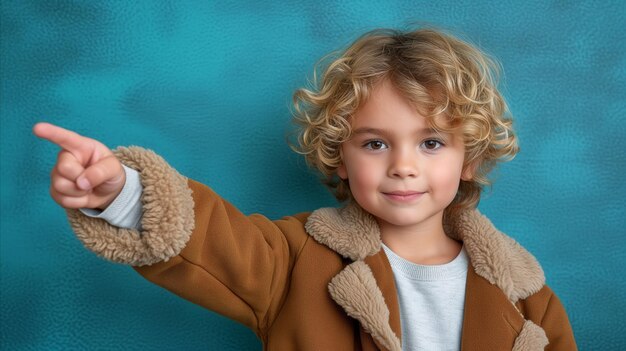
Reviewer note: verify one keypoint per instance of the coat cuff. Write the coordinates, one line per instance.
(167, 221)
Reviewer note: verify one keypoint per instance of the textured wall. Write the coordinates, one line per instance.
(208, 85)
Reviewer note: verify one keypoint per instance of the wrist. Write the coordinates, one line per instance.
(106, 203)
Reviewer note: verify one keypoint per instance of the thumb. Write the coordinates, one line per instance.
(107, 175)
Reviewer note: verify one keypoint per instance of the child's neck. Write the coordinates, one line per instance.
(425, 244)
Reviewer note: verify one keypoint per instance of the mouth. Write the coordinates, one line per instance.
(403, 196)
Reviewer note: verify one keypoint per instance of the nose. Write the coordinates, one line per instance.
(403, 164)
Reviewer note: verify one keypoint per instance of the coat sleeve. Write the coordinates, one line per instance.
(199, 246)
(557, 327)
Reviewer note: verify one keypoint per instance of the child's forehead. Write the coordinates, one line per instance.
(387, 104)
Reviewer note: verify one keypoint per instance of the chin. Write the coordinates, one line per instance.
(408, 219)
(401, 221)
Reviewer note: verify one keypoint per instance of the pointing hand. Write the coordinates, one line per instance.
(87, 174)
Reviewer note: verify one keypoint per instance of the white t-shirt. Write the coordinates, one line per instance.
(431, 299)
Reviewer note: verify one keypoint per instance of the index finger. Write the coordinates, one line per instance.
(66, 139)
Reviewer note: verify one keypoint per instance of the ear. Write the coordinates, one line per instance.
(469, 171)
(342, 172)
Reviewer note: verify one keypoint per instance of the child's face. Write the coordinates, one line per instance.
(399, 170)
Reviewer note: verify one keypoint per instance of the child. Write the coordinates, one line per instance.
(405, 128)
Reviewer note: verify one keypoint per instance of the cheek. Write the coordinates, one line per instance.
(447, 176)
(362, 178)
(364, 187)
(363, 175)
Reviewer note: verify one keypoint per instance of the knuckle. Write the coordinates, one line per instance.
(65, 168)
(57, 184)
(62, 156)
(65, 202)
(61, 200)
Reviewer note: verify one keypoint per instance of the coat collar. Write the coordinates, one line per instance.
(354, 234)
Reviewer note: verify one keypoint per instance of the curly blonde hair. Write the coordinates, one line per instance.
(450, 82)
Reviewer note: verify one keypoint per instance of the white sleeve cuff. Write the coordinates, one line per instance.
(126, 210)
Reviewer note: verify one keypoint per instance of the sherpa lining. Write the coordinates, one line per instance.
(167, 221)
(353, 233)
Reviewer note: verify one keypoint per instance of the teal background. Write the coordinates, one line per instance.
(207, 85)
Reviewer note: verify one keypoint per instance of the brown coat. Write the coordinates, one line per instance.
(316, 281)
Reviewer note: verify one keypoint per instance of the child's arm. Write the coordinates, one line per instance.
(199, 246)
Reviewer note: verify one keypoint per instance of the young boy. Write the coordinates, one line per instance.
(405, 127)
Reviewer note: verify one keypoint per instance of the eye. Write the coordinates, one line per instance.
(432, 144)
(375, 145)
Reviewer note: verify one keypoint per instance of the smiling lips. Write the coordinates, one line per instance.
(403, 196)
